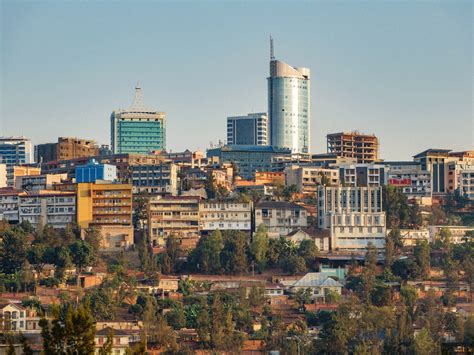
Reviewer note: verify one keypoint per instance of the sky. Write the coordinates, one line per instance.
(401, 70)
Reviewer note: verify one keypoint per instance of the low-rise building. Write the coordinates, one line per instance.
(173, 215)
(320, 237)
(410, 237)
(461, 178)
(93, 171)
(225, 215)
(39, 182)
(159, 179)
(17, 171)
(120, 340)
(318, 283)
(459, 234)
(12, 317)
(353, 215)
(308, 178)
(280, 217)
(47, 207)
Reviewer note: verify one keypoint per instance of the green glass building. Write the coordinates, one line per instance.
(138, 129)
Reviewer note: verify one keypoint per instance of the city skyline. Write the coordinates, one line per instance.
(410, 86)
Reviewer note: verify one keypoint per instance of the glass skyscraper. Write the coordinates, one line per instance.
(289, 106)
(138, 129)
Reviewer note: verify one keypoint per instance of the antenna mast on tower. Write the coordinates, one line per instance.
(272, 53)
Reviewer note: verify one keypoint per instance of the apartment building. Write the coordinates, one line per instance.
(3, 175)
(66, 148)
(353, 215)
(158, 179)
(280, 217)
(363, 147)
(17, 171)
(308, 178)
(45, 207)
(224, 215)
(461, 178)
(173, 215)
(107, 207)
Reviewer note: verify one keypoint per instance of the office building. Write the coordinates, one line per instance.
(363, 175)
(289, 106)
(108, 208)
(44, 207)
(308, 178)
(159, 179)
(248, 159)
(461, 178)
(174, 215)
(363, 147)
(66, 148)
(248, 130)
(280, 218)
(353, 215)
(224, 215)
(93, 171)
(15, 151)
(138, 129)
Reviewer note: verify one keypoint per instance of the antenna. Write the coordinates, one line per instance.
(272, 52)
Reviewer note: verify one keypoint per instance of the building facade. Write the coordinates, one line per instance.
(363, 147)
(9, 198)
(66, 148)
(15, 151)
(225, 215)
(54, 208)
(138, 129)
(107, 207)
(280, 218)
(38, 182)
(414, 182)
(289, 106)
(248, 130)
(93, 171)
(159, 179)
(363, 175)
(353, 215)
(173, 215)
(308, 178)
(248, 159)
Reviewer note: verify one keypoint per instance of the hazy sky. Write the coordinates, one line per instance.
(401, 70)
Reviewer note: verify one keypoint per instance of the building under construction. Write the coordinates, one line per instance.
(363, 147)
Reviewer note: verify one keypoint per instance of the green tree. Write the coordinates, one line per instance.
(176, 318)
(421, 253)
(13, 250)
(234, 254)
(424, 344)
(206, 256)
(309, 252)
(106, 349)
(259, 247)
(303, 296)
(256, 296)
(82, 254)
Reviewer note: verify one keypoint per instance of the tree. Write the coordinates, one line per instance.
(210, 186)
(303, 296)
(82, 254)
(13, 251)
(203, 326)
(206, 256)
(234, 253)
(309, 252)
(424, 344)
(72, 331)
(422, 256)
(416, 219)
(256, 296)
(94, 239)
(395, 205)
(176, 318)
(259, 247)
(294, 264)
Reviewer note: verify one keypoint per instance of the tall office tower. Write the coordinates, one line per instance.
(248, 130)
(15, 151)
(363, 147)
(289, 106)
(138, 129)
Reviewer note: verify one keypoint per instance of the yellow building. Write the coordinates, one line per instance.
(108, 207)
